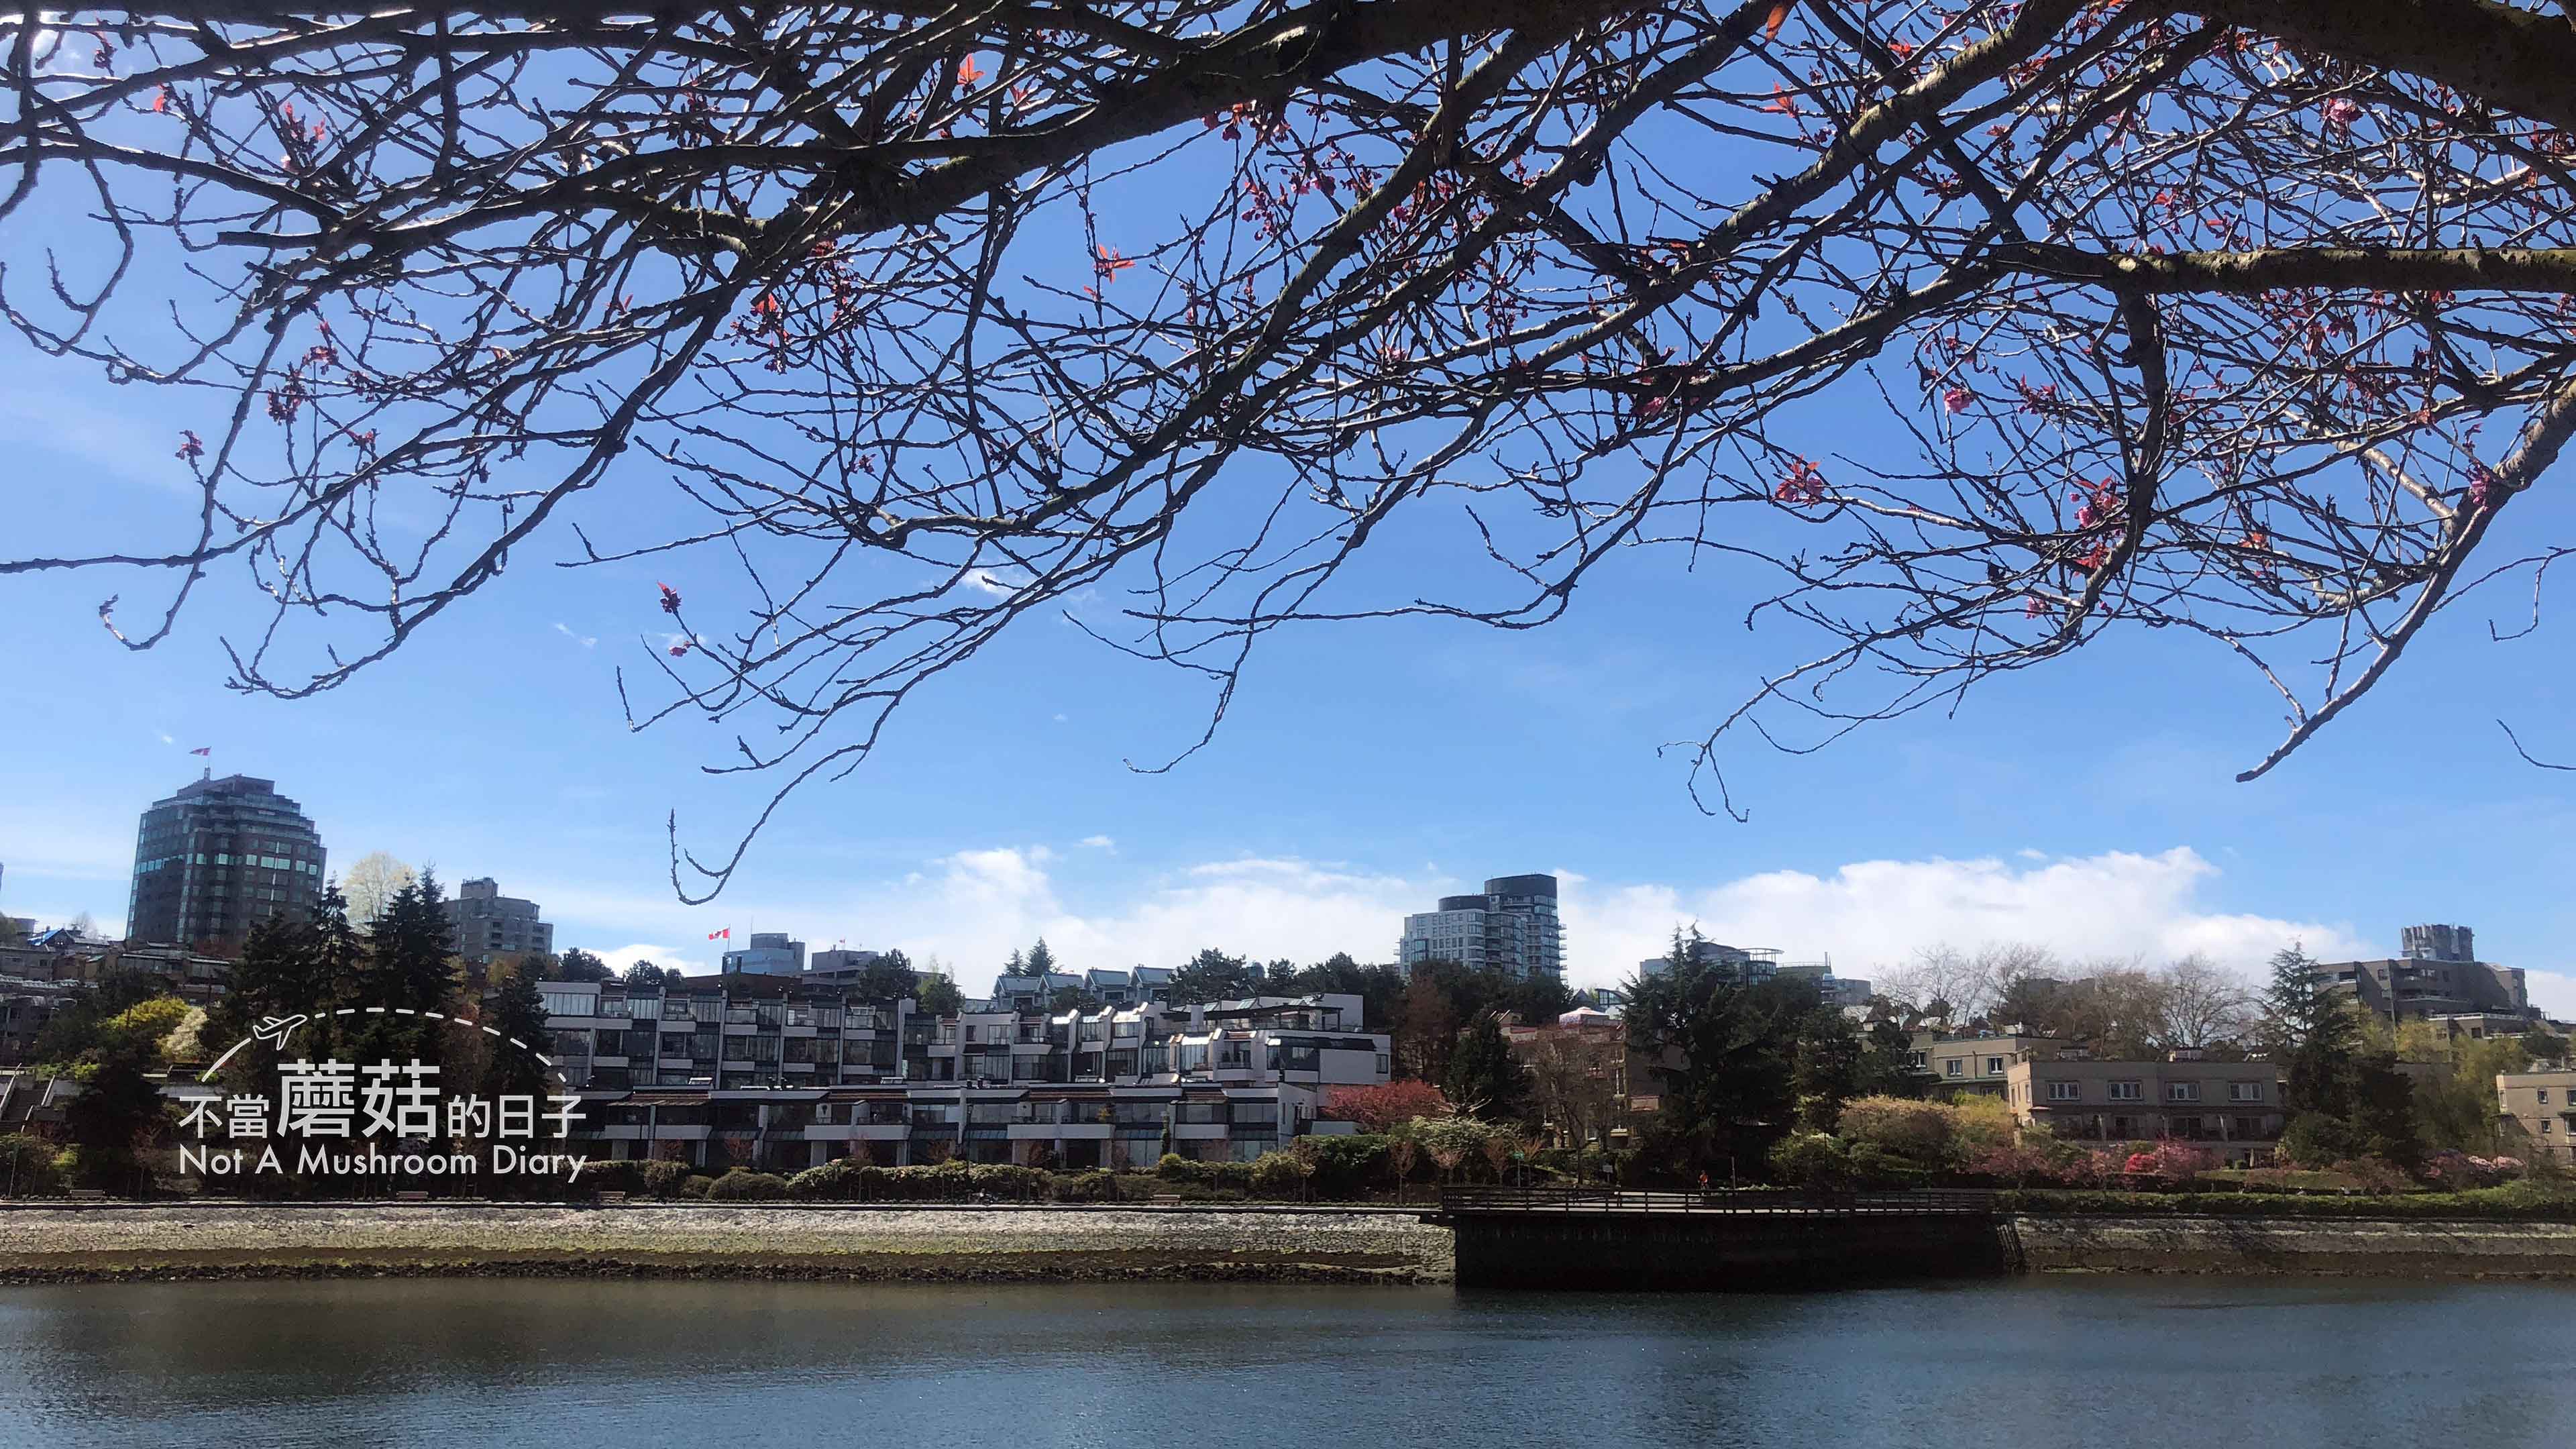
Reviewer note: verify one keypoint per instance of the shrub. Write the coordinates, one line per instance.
(605, 1174)
(2172, 1162)
(1280, 1174)
(1176, 1168)
(839, 1180)
(1085, 1187)
(1344, 1167)
(2375, 1175)
(663, 1179)
(2454, 1169)
(740, 1185)
(696, 1184)
(27, 1166)
(1818, 1161)
(1918, 1132)
(1007, 1180)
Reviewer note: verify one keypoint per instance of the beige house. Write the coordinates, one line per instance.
(2233, 1108)
(2543, 1105)
(1974, 1062)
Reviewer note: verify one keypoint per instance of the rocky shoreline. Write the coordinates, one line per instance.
(976, 1245)
(2305, 1246)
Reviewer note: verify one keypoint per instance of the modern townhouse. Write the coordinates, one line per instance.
(765, 1071)
(2233, 1108)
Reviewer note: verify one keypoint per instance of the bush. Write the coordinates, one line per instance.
(1007, 1180)
(1085, 1187)
(742, 1186)
(696, 1184)
(2171, 1162)
(1281, 1174)
(27, 1166)
(2454, 1169)
(839, 1180)
(663, 1179)
(1919, 1132)
(1345, 1167)
(1176, 1168)
(610, 1175)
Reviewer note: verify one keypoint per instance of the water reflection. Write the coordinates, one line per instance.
(568, 1365)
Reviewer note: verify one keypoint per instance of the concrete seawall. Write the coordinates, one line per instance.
(2357, 1247)
(1237, 1243)
(921, 1243)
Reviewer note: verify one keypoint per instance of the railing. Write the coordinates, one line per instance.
(1759, 1200)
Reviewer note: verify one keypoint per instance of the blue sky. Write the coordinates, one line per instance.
(1365, 769)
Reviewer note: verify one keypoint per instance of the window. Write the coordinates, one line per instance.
(2245, 1091)
(2544, 1096)
(2066, 1091)
(2128, 1092)
(1954, 1067)
(2124, 1127)
(2182, 1091)
(1994, 1066)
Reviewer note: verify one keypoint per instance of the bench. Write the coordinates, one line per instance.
(411, 1197)
(611, 1199)
(88, 1194)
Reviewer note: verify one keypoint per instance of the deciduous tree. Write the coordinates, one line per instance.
(2245, 320)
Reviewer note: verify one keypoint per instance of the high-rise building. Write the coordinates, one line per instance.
(769, 954)
(487, 923)
(217, 857)
(1511, 927)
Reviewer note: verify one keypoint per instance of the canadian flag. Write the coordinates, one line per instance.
(208, 750)
(724, 935)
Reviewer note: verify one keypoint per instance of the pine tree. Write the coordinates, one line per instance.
(1041, 959)
(408, 969)
(1483, 1078)
(1016, 966)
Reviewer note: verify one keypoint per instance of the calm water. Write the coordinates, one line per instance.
(569, 1365)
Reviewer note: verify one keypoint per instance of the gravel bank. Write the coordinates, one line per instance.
(977, 1244)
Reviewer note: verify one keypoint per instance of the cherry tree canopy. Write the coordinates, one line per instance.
(2248, 317)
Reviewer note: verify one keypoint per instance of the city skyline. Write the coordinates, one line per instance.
(971, 908)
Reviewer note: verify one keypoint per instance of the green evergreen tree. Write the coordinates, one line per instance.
(1041, 959)
(409, 968)
(1483, 1078)
(579, 965)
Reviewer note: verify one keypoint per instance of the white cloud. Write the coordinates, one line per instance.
(1872, 915)
(667, 957)
(974, 907)
(586, 641)
(1099, 842)
(165, 739)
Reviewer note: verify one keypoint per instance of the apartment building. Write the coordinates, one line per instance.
(2435, 973)
(2543, 1106)
(767, 1071)
(1740, 965)
(487, 924)
(217, 857)
(2233, 1108)
(1511, 927)
(1975, 1063)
